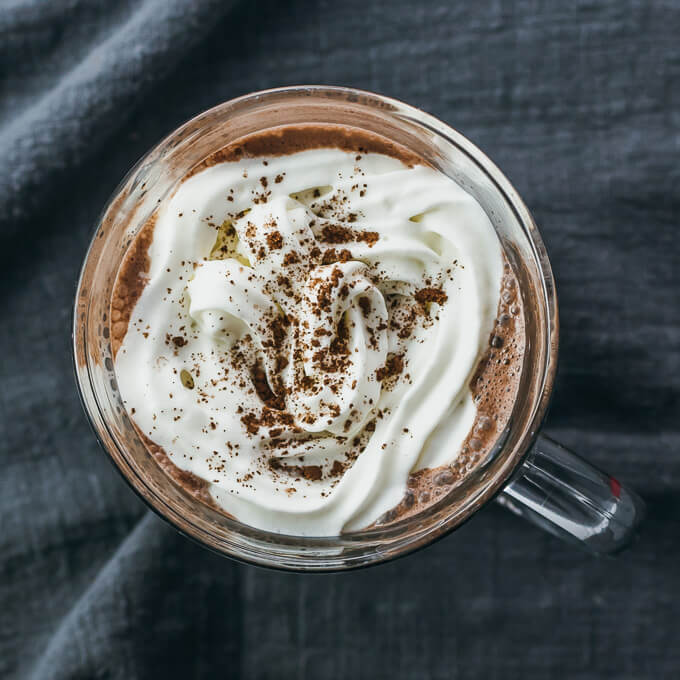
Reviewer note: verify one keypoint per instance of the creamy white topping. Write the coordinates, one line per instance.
(308, 332)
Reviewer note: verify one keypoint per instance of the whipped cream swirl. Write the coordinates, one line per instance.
(308, 331)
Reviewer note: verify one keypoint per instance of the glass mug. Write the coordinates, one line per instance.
(526, 472)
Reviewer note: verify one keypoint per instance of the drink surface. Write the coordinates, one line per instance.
(317, 331)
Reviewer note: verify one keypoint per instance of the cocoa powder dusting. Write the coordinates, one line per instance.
(493, 385)
(431, 294)
(365, 305)
(393, 366)
(336, 233)
(311, 473)
(332, 255)
(275, 240)
(263, 389)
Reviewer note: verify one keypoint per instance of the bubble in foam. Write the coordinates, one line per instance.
(508, 295)
(483, 424)
(443, 478)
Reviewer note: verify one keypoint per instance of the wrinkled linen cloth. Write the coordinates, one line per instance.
(579, 104)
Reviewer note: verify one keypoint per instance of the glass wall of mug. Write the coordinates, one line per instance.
(156, 177)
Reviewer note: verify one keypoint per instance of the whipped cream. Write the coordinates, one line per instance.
(308, 332)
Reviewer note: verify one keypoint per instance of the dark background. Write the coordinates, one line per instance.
(578, 103)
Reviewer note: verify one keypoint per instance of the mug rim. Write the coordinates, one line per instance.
(541, 400)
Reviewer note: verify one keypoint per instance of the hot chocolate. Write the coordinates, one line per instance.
(317, 331)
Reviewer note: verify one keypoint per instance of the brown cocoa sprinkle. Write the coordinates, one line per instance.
(271, 417)
(263, 182)
(263, 390)
(275, 240)
(369, 237)
(365, 305)
(277, 328)
(278, 179)
(393, 366)
(251, 422)
(331, 361)
(339, 344)
(336, 233)
(332, 255)
(179, 341)
(283, 281)
(336, 275)
(431, 294)
(334, 358)
(311, 472)
(290, 258)
(338, 469)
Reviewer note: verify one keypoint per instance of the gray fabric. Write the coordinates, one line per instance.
(578, 103)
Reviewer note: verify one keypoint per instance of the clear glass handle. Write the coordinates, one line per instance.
(565, 495)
